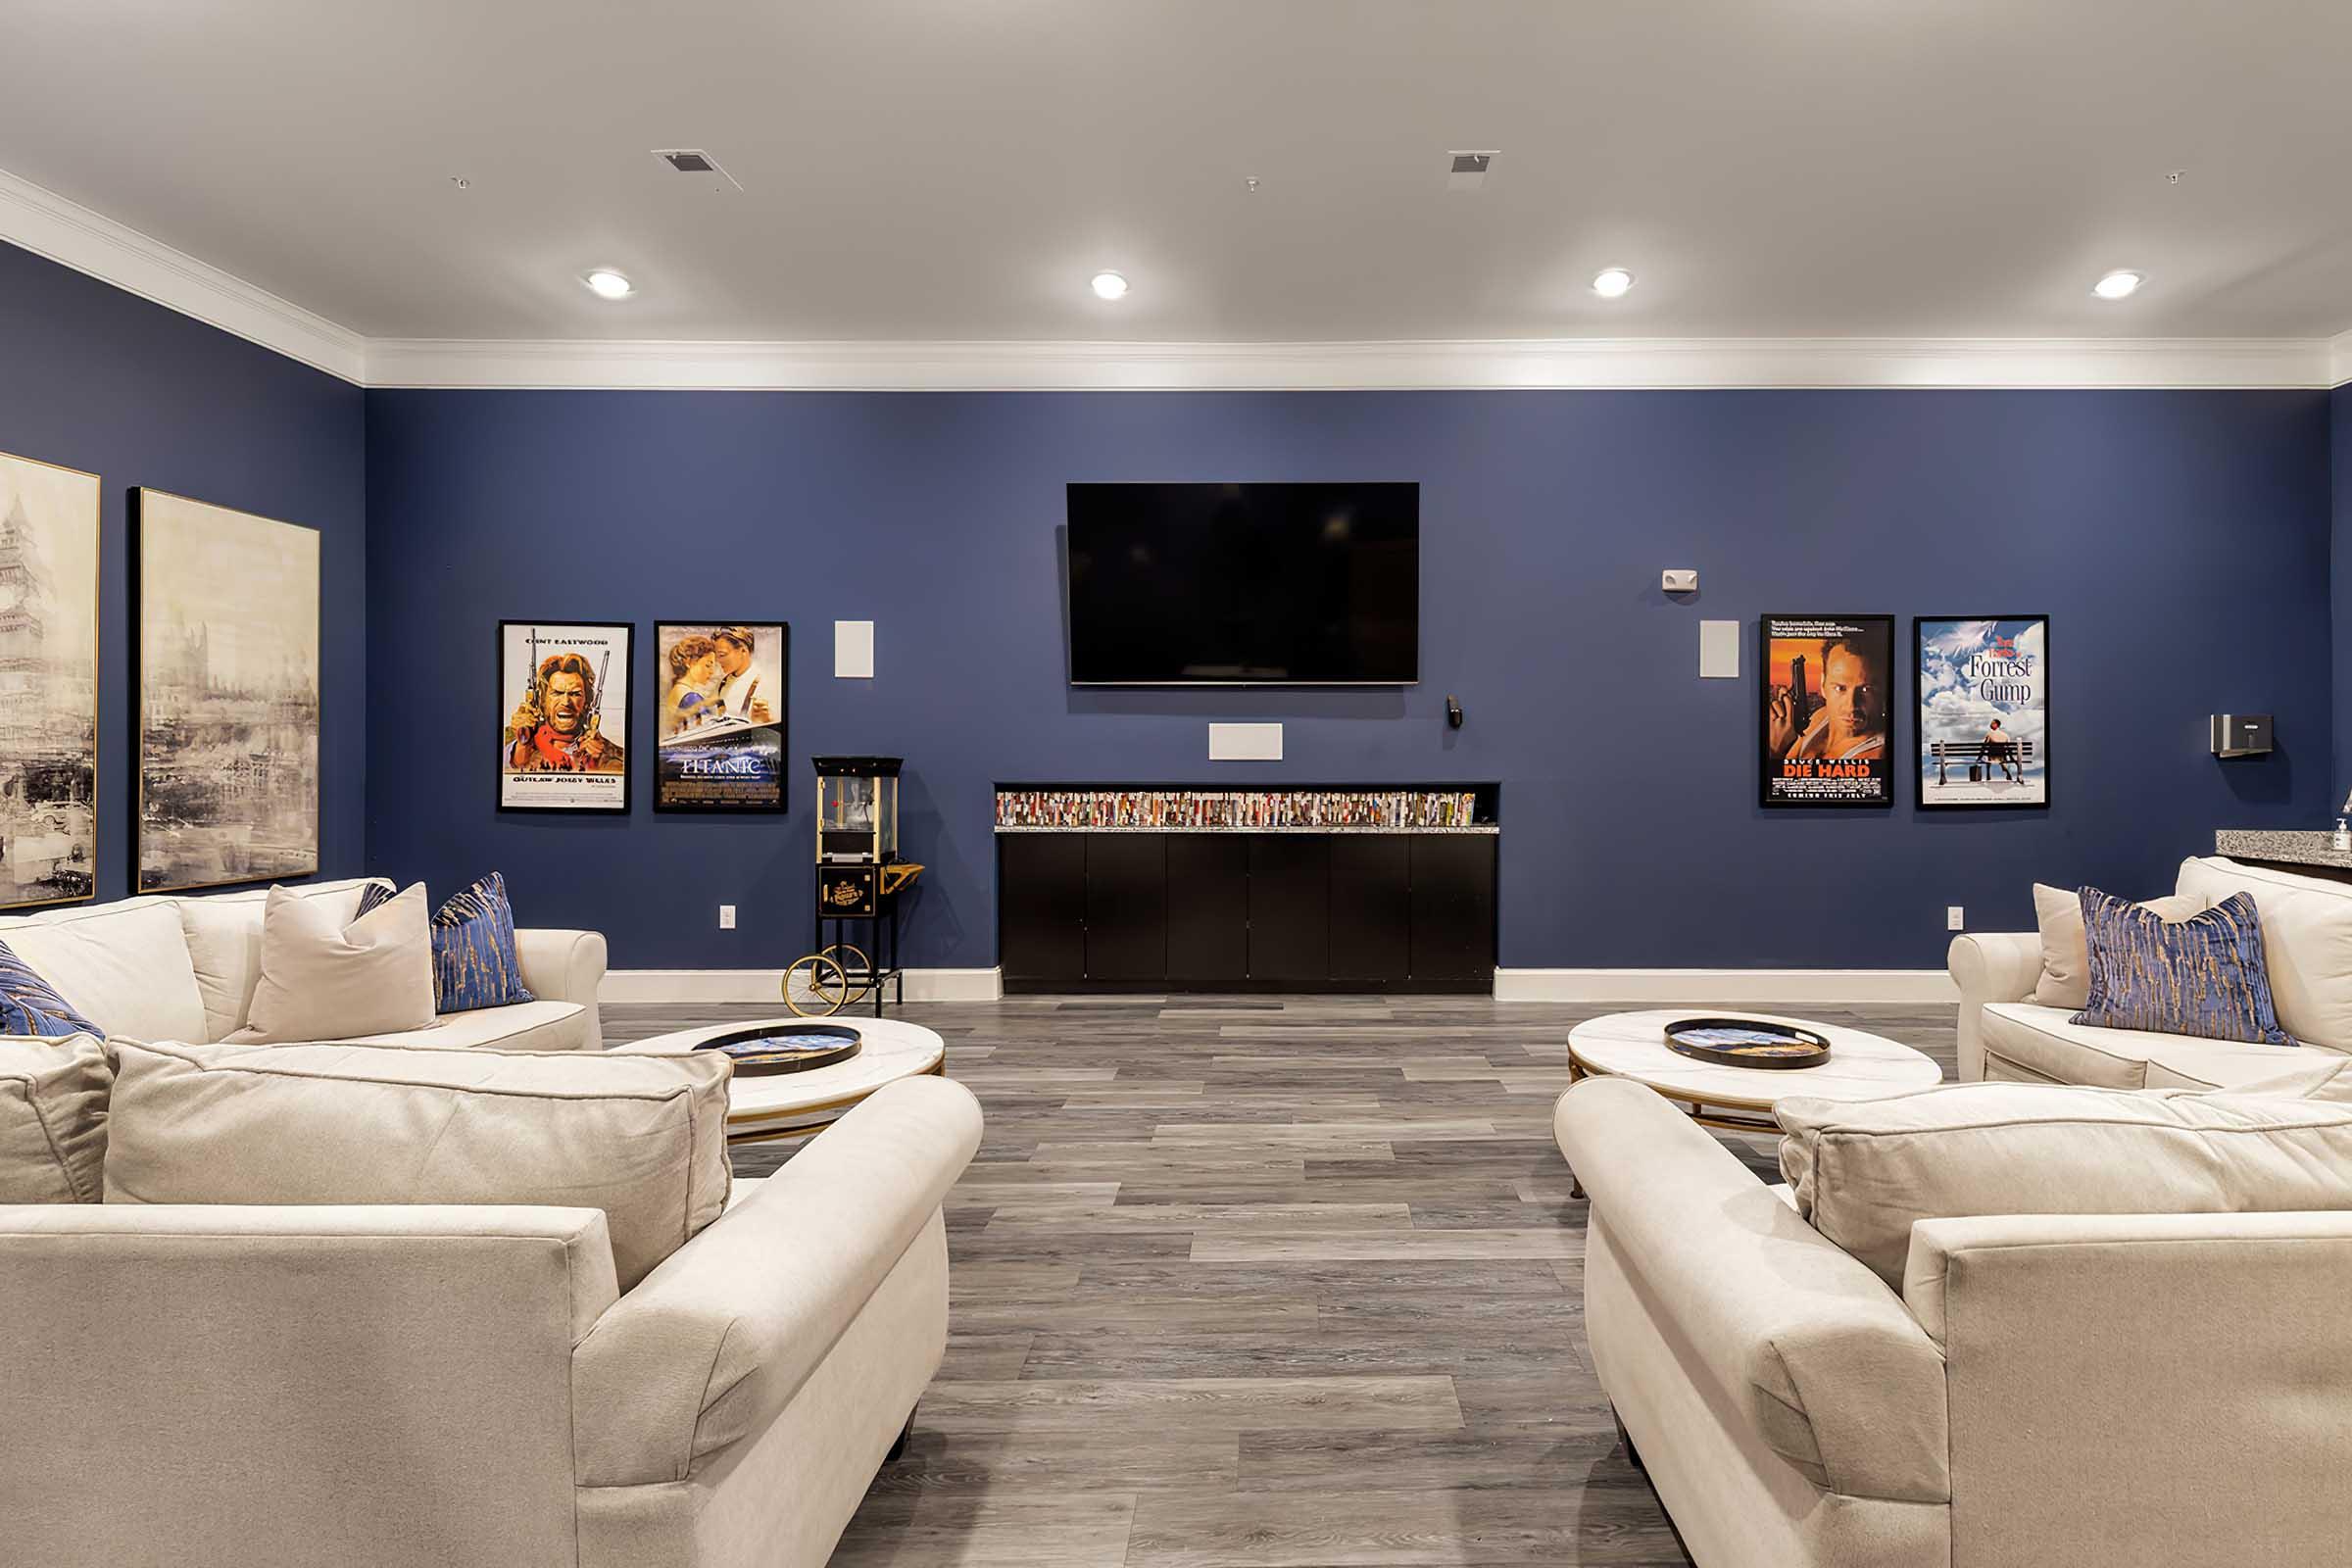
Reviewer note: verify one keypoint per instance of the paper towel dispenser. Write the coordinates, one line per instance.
(2241, 734)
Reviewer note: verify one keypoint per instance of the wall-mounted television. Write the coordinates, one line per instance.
(1245, 584)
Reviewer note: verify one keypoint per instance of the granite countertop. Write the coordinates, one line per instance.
(1172, 827)
(2292, 845)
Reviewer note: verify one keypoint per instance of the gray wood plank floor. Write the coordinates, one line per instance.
(1274, 1282)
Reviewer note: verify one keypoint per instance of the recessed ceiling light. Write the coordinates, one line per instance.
(607, 284)
(1110, 285)
(2116, 285)
(1611, 281)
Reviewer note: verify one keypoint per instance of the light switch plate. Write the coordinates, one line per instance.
(853, 650)
(1244, 743)
(1719, 650)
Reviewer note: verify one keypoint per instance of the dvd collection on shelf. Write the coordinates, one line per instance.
(1236, 808)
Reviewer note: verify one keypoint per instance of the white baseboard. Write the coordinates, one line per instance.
(766, 985)
(1725, 987)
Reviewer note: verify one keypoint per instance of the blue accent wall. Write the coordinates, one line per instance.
(2180, 542)
(2340, 596)
(96, 378)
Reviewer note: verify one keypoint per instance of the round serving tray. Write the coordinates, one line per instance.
(1753, 1043)
(771, 1048)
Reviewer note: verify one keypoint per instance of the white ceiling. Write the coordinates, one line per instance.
(955, 170)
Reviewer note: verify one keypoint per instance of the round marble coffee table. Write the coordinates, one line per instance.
(1633, 1045)
(796, 1104)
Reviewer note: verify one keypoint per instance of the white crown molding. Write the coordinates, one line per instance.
(1562, 363)
(65, 232)
(69, 233)
(1725, 987)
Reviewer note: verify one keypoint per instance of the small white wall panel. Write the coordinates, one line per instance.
(1244, 743)
(853, 650)
(1719, 650)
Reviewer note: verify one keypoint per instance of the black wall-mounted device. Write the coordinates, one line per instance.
(1453, 714)
(2241, 734)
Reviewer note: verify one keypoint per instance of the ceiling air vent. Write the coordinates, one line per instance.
(1468, 171)
(694, 161)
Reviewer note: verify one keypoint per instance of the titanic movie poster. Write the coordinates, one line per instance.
(719, 717)
(1829, 717)
(1983, 711)
(565, 707)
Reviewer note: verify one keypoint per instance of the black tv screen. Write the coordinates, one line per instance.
(1245, 584)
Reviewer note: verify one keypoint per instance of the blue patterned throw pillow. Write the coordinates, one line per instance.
(2204, 976)
(473, 950)
(373, 897)
(30, 1005)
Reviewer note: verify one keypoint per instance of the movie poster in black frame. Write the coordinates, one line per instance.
(1826, 712)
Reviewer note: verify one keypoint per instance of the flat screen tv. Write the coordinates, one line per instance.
(1245, 584)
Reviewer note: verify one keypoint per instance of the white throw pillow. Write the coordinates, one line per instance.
(225, 944)
(641, 1136)
(324, 980)
(2066, 949)
(1865, 1171)
(2306, 941)
(123, 967)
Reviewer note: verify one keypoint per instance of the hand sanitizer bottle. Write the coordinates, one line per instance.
(2342, 842)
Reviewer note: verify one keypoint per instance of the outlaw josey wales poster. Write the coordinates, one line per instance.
(1983, 711)
(1827, 714)
(565, 704)
(719, 719)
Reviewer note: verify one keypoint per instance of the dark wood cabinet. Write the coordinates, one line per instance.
(1208, 879)
(1371, 910)
(1453, 907)
(1127, 906)
(1290, 911)
(1247, 911)
(1041, 910)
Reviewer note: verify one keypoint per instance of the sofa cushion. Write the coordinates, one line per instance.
(2306, 938)
(1865, 1171)
(125, 966)
(2066, 952)
(2046, 1044)
(224, 946)
(523, 1026)
(2203, 976)
(53, 1120)
(641, 1137)
(322, 979)
(29, 1005)
(2206, 1068)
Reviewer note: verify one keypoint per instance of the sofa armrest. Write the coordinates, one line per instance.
(318, 1375)
(1832, 1370)
(2144, 1387)
(565, 966)
(711, 1345)
(1989, 967)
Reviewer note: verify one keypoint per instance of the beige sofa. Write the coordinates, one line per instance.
(2307, 942)
(2093, 1390)
(183, 968)
(465, 1386)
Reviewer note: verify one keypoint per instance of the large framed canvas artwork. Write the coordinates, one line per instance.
(227, 683)
(719, 723)
(1983, 711)
(1827, 711)
(48, 683)
(564, 706)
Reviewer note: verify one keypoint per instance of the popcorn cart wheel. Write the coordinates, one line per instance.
(822, 986)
